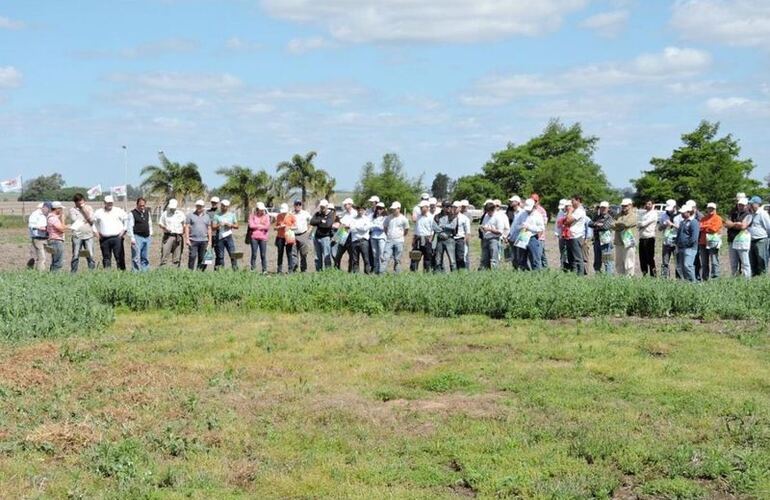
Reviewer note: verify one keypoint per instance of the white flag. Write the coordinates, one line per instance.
(11, 185)
(118, 190)
(94, 192)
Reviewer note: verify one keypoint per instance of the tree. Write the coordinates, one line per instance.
(172, 180)
(299, 172)
(278, 189)
(441, 186)
(322, 185)
(390, 183)
(476, 189)
(243, 185)
(40, 188)
(704, 169)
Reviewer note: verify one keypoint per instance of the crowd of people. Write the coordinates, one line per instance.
(374, 236)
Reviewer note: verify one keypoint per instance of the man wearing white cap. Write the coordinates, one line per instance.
(739, 239)
(377, 237)
(534, 225)
(110, 225)
(323, 222)
(396, 228)
(82, 217)
(562, 232)
(38, 233)
(759, 229)
(575, 220)
(422, 242)
(647, 228)
(197, 235)
(284, 238)
(348, 214)
(373, 201)
(625, 241)
(213, 210)
(461, 235)
(416, 211)
(709, 242)
(687, 243)
(603, 224)
(494, 226)
(172, 224)
(224, 223)
(55, 229)
(301, 236)
(668, 223)
(140, 235)
(465, 221)
(516, 217)
(514, 207)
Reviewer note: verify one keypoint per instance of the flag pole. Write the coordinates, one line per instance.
(125, 178)
(23, 203)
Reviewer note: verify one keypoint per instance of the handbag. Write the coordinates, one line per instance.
(669, 237)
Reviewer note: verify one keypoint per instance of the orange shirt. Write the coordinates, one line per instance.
(288, 220)
(709, 224)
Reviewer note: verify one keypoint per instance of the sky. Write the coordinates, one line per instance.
(442, 83)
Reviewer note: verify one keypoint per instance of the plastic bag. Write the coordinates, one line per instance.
(522, 240)
(605, 237)
(628, 239)
(208, 257)
(713, 241)
(742, 241)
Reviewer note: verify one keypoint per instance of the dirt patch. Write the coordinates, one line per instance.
(30, 366)
(243, 473)
(477, 406)
(62, 438)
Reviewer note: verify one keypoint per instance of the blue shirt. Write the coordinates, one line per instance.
(688, 233)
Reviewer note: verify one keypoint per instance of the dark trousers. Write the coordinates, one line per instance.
(758, 257)
(647, 256)
(359, 250)
(460, 253)
(575, 255)
(112, 246)
(341, 249)
(563, 259)
(444, 246)
(283, 247)
(223, 244)
(215, 247)
(197, 252)
(597, 254)
(426, 248)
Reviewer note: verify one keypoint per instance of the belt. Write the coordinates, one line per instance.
(172, 234)
(300, 234)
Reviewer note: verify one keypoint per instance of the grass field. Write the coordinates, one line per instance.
(229, 403)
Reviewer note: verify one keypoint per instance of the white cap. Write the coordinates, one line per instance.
(424, 196)
(670, 204)
(284, 209)
(40, 205)
(432, 201)
(424, 203)
(743, 201)
(200, 203)
(464, 203)
(529, 205)
(604, 204)
(225, 203)
(260, 205)
(685, 208)
(172, 203)
(395, 205)
(497, 202)
(323, 203)
(56, 204)
(711, 205)
(214, 199)
(380, 204)
(563, 203)
(457, 204)
(741, 195)
(374, 199)
(330, 206)
(347, 201)
(626, 202)
(514, 198)
(692, 203)
(109, 199)
(487, 201)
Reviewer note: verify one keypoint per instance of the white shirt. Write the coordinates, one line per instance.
(173, 222)
(416, 213)
(302, 219)
(37, 220)
(578, 229)
(359, 228)
(424, 225)
(110, 222)
(498, 220)
(648, 225)
(84, 231)
(347, 217)
(518, 221)
(378, 227)
(535, 223)
(463, 226)
(396, 227)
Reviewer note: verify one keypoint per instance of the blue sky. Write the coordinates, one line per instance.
(442, 83)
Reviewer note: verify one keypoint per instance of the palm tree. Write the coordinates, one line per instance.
(323, 184)
(244, 185)
(299, 172)
(278, 190)
(172, 180)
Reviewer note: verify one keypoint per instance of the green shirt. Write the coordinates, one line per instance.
(220, 219)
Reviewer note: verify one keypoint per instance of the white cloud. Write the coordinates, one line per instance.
(183, 82)
(150, 49)
(427, 20)
(673, 60)
(302, 45)
(10, 77)
(607, 24)
(7, 23)
(738, 105)
(743, 23)
(237, 44)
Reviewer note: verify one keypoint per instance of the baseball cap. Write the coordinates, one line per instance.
(260, 205)
(297, 202)
(743, 201)
(40, 205)
(670, 204)
(604, 204)
(515, 198)
(214, 199)
(284, 208)
(56, 204)
(563, 203)
(172, 203)
(323, 203)
(374, 199)
(535, 197)
(225, 203)
(756, 200)
(201, 203)
(330, 206)
(529, 204)
(692, 203)
(395, 205)
(685, 208)
(739, 196)
(446, 203)
(497, 202)
(109, 199)
(711, 205)
(424, 196)
(380, 204)
(424, 203)
(347, 201)
(626, 201)
(464, 203)
(432, 201)
(457, 204)
(487, 201)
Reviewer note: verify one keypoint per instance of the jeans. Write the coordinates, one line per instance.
(215, 247)
(261, 247)
(607, 259)
(544, 258)
(709, 263)
(377, 246)
(197, 252)
(740, 262)
(575, 255)
(173, 245)
(57, 254)
(112, 246)
(490, 252)
(685, 263)
(647, 256)
(423, 244)
(665, 261)
(283, 247)
(444, 246)
(140, 259)
(461, 249)
(359, 250)
(77, 246)
(323, 253)
(226, 243)
(758, 257)
(301, 249)
(393, 249)
(531, 258)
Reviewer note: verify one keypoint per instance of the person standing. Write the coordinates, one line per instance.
(531, 259)
(493, 227)
(544, 215)
(417, 210)
(82, 217)
(687, 244)
(575, 220)
(647, 227)
(348, 213)
(465, 220)
(55, 229)
(225, 222)
(301, 230)
(561, 231)
(697, 215)
(172, 224)
(38, 234)
(377, 237)
(462, 235)
(197, 236)
(667, 224)
(739, 239)
(259, 224)
(213, 211)
(516, 216)
(396, 228)
(603, 225)
(284, 239)
(759, 229)
(323, 222)
(625, 243)
(140, 234)
(359, 227)
(710, 241)
(445, 228)
(422, 241)
(110, 225)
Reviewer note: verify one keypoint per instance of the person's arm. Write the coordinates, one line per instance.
(130, 228)
(234, 224)
(124, 219)
(209, 233)
(162, 222)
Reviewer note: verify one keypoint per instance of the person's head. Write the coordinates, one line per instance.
(395, 208)
(742, 204)
(373, 201)
(686, 211)
(45, 207)
(604, 207)
(323, 206)
(172, 205)
(424, 207)
(464, 204)
(536, 198)
(379, 209)
(529, 205)
(56, 207)
(424, 197)
(671, 206)
(297, 206)
(283, 209)
(489, 207)
(432, 202)
(141, 203)
(446, 207)
(225, 206)
(626, 205)
(260, 209)
(755, 203)
(109, 201)
(648, 205)
(497, 203)
(360, 209)
(514, 201)
(347, 204)
(711, 208)
(693, 205)
(79, 200)
(214, 202)
(577, 200)
(200, 205)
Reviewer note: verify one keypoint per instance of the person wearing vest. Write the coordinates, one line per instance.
(140, 233)
(687, 243)
(445, 226)
(737, 227)
(322, 221)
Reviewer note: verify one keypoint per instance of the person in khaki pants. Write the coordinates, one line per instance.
(625, 242)
(37, 225)
(172, 224)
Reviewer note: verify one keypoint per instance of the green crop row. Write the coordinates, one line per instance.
(43, 305)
